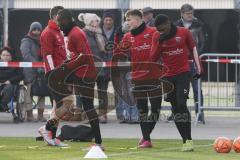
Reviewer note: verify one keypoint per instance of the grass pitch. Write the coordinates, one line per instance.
(116, 149)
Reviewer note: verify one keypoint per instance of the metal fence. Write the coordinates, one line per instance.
(220, 87)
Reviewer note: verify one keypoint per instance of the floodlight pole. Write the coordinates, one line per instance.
(5, 23)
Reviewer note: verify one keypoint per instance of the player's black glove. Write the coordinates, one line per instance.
(197, 76)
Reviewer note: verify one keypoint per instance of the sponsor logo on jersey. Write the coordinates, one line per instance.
(142, 47)
(146, 36)
(174, 52)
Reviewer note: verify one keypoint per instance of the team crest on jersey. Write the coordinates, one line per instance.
(132, 39)
(178, 39)
(146, 35)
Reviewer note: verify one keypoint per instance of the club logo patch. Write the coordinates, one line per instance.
(178, 39)
(132, 39)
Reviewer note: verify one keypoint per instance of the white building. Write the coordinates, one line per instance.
(104, 4)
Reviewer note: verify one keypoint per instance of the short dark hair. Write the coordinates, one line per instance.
(66, 15)
(161, 19)
(186, 7)
(6, 48)
(134, 12)
(54, 11)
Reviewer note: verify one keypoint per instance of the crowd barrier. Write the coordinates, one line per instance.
(221, 91)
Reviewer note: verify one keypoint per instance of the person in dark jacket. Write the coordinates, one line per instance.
(126, 109)
(108, 30)
(197, 28)
(148, 16)
(9, 79)
(30, 50)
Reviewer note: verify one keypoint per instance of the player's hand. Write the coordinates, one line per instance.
(197, 76)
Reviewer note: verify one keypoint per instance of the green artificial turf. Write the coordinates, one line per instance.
(116, 149)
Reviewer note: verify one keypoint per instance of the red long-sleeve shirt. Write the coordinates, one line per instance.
(174, 52)
(140, 46)
(78, 43)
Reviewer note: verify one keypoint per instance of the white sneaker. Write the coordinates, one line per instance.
(59, 143)
(47, 135)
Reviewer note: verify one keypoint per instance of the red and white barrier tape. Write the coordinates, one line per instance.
(22, 64)
(101, 64)
(234, 61)
(41, 64)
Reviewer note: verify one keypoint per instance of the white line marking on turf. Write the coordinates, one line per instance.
(142, 151)
(152, 151)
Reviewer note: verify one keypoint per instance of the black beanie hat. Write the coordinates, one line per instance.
(161, 19)
(108, 13)
(35, 25)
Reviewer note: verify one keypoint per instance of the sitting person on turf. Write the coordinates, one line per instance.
(9, 79)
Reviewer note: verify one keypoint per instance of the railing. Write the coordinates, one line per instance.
(220, 85)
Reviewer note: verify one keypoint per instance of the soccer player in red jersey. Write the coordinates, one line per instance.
(145, 82)
(172, 46)
(84, 77)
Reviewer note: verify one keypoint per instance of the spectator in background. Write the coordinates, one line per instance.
(198, 31)
(97, 43)
(9, 79)
(148, 16)
(108, 30)
(126, 109)
(30, 50)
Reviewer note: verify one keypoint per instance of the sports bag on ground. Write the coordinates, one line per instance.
(76, 133)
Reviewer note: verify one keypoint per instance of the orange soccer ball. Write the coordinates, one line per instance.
(222, 145)
(236, 145)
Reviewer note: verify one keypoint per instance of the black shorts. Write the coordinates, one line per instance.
(181, 83)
